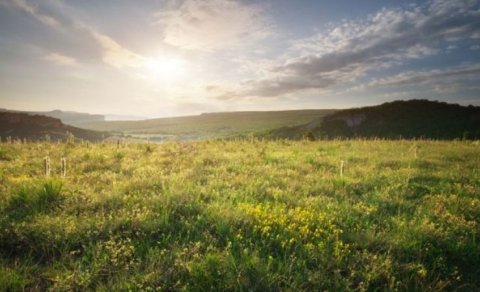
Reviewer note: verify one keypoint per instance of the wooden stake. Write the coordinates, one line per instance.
(46, 166)
(342, 164)
(64, 167)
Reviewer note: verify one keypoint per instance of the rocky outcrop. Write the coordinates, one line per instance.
(353, 120)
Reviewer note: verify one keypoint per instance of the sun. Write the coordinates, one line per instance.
(166, 69)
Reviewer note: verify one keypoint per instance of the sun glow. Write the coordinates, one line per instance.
(166, 69)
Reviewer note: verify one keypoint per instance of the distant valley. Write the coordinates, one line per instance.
(393, 120)
(210, 125)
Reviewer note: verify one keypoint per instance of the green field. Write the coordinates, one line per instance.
(212, 125)
(238, 216)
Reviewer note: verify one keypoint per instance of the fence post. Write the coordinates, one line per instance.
(64, 167)
(342, 164)
(46, 166)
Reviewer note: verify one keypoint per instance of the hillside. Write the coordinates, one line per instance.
(73, 118)
(210, 125)
(398, 119)
(36, 127)
(67, 117)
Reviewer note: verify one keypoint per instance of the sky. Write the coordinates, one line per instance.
(155, 58)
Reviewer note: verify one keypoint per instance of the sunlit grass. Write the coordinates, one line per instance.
(225, 215)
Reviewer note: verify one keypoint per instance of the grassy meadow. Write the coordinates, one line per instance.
(241, 215)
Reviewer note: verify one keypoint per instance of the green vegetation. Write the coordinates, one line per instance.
(212, 125)
(393, 120)
(17, 125)
(245, 215)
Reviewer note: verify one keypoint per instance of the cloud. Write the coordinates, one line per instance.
(270, 87)
(33, 11)
(116, 55)
(350, 50)
(110, 51)
(61, 59)
(441, 80)
(214, 24)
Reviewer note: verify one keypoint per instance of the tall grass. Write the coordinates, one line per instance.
(242, 215)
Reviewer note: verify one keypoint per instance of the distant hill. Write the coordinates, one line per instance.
(67, 117)
(398, 119)
(210, 125)
(36, 127)
(113, 117)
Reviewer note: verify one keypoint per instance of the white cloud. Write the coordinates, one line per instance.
(60, 59)
(350, 50)
(388, 35)
(214, 24)
(112, 53)
(116, 55)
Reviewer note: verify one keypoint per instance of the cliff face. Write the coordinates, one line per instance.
(353, 120)
(36, 127)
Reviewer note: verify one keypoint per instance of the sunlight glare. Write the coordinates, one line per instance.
(166, 69)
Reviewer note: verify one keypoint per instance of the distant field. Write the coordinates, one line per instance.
(241, 216)
(210, 125)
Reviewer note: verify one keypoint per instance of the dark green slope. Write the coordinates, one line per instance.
(398, 119)
(67, 117)
(37, 127)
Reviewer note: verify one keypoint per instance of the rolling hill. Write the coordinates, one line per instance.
(393, 120)
(37, 127)
(67, 117)
(210, 125)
